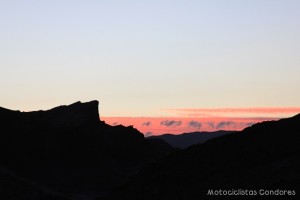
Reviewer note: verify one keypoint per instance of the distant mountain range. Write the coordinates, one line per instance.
(67, 153)
(185, 140)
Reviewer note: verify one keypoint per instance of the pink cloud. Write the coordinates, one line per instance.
(203, 119)
(178, 125)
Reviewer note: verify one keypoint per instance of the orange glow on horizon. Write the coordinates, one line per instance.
(176, 125)
(203, 119)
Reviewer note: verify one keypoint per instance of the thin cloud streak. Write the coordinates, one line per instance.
(170, 123)
(148, 123)
(255, 111)
(222, 125)
(194, 124)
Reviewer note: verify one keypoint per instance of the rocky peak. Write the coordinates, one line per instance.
(78, 111)
(72, 115)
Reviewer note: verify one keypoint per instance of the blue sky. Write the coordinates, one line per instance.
(139, 57)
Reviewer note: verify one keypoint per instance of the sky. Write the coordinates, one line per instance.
(174, 63)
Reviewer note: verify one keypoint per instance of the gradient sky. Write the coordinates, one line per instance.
(142, 58)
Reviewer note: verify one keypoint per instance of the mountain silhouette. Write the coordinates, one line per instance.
(67, 152)
(185, 140)
(263, 156)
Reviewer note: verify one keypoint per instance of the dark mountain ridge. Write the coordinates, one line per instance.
(69, 150)
(68, 153)
(263, 156)
(185, 140)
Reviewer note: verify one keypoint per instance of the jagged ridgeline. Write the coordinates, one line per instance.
(263, 157)
(67, 151)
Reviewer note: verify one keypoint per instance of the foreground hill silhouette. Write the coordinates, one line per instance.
(264, 156)
(185, 140)
(68, 153)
